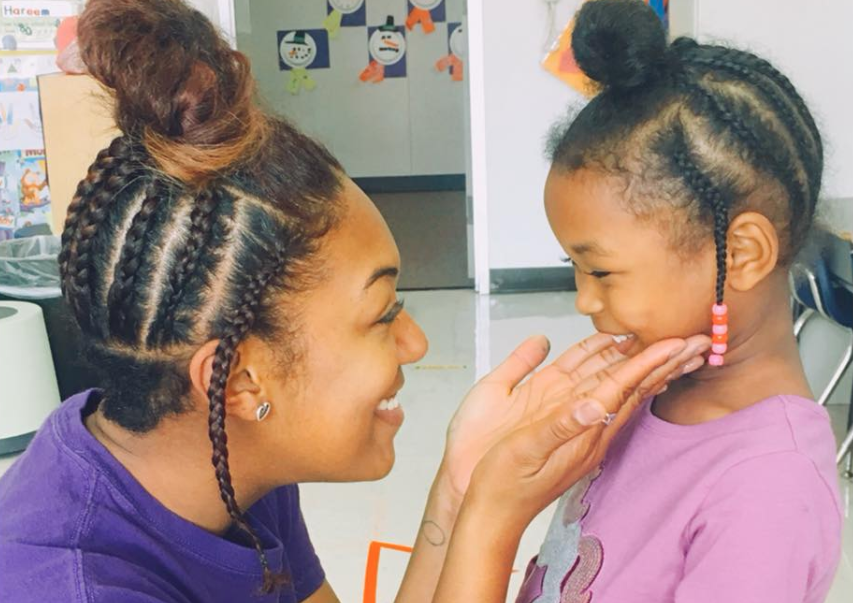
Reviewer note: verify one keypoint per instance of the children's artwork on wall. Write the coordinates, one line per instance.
(560, 60)
(28, 34)
(299, 51)
(31, 32)
(344, 13)
(20, 121)
(24, 196)
(26, 66)
(457, 46)
(387, 47)
(18, 85)
(426, 13)
(9, 203)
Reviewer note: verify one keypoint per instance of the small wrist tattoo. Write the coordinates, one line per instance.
(433, 533)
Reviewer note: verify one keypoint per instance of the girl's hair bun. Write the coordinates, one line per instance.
(178, 86)
(621, 44)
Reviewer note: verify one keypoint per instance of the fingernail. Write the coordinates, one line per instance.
(692, 365)
(663, 389)
(621, 338)
(590, 413)
(697, 348)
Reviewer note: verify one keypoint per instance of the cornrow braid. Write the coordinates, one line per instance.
(237, 326)
(773, 153)
(202, 222)
(111, 171)
(124, 315)
(710, 196)
(769, 89)
(766, 69)
(733, 60)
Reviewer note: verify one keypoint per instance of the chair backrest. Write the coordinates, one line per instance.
(822, 278)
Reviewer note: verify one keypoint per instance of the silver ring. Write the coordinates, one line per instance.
(608, 418)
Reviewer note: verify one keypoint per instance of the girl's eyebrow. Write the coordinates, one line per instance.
(588, 247)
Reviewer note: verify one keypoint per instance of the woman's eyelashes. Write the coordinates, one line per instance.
(592, 273)
(393, 313)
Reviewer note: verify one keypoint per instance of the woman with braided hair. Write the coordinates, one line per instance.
(237, 292)
(682, 192)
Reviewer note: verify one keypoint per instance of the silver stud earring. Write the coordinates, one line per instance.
(262, 411)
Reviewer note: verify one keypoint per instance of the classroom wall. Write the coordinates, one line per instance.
(522, 101)
(403, 126)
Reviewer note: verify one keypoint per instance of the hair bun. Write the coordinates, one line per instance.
(621, 44)
(177, 84)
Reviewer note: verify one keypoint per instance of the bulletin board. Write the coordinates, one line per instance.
(30, 33)
(381, 82)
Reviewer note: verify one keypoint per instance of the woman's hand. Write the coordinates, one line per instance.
(500, 404)
(534, 441)
(567, 438)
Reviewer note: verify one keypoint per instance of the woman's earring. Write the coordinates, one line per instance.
(262, 411)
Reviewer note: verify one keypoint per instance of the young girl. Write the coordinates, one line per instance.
(681, 193)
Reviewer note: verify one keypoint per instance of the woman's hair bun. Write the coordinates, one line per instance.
(178, 86)
(621, 44)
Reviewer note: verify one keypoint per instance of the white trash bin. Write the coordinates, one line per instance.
(28, 388)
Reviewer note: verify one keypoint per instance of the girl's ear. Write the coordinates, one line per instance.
(753, 250)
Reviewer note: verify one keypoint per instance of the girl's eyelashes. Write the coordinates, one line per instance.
(593, 273)
(393, 313)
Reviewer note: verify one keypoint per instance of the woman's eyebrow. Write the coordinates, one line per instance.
(384, 272)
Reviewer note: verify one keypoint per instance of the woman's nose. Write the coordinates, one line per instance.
(412, 344)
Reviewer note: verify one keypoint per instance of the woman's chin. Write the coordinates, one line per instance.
(383, 465)
(370, 469)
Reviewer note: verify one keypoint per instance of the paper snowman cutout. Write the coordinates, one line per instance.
(458, 40)
(457, 43)
(344, 13)
(300, 51)
(346, 7)
(387, 47)
(425, 12)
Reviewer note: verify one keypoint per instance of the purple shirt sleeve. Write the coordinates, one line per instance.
(754, 538)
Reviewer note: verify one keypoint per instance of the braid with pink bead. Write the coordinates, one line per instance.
(720, 333)
(711, 197)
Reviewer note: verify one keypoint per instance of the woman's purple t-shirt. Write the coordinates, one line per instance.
(76, 526)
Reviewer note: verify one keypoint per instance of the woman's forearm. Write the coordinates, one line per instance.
(480, 558)
(431, 544)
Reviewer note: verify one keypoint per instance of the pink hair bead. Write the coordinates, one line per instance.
(715, 360)
(719, 348)
(720, 309)
(719, 329)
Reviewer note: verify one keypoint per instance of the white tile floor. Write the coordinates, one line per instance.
(467, 334)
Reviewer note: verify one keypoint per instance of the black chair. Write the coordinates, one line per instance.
(822, 284)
